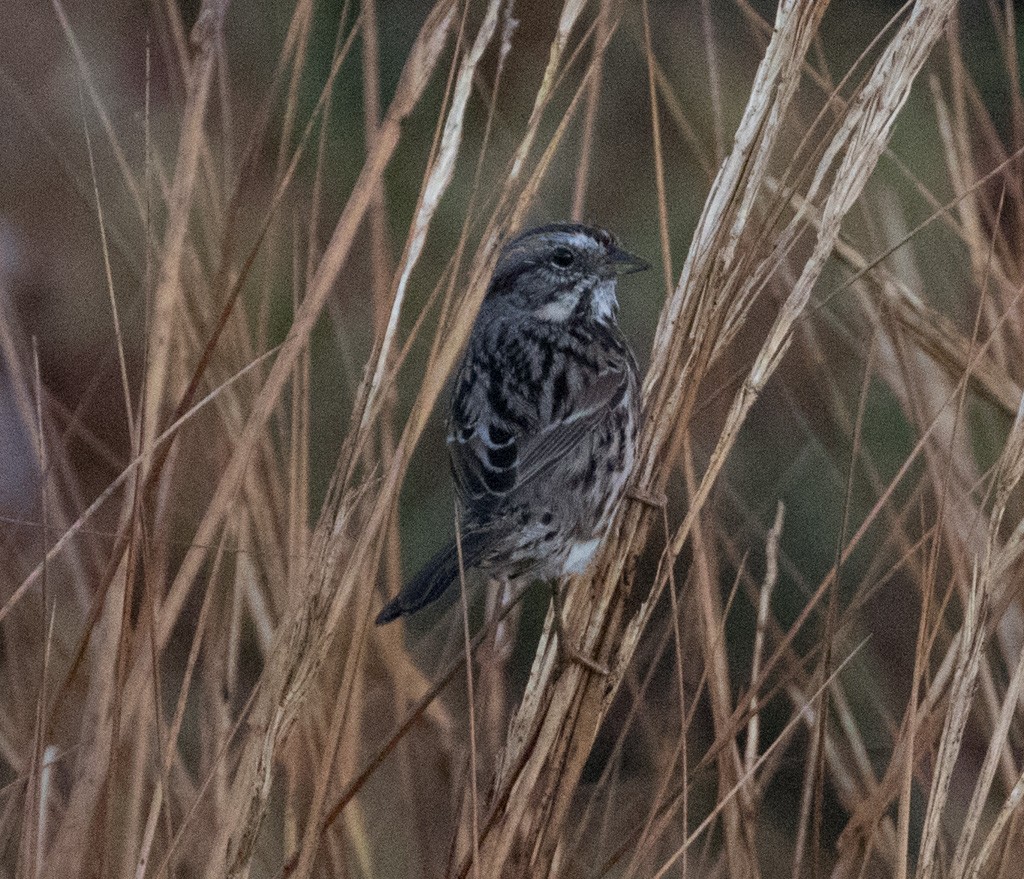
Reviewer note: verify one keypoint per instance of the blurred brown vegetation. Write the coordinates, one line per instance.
(229, 307)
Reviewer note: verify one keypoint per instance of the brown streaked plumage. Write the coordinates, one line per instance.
(544, 415)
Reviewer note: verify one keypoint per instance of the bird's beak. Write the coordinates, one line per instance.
(626, 263)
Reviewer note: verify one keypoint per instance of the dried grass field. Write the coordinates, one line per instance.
(241, 249)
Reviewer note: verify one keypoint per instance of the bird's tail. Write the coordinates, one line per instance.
(437, 575)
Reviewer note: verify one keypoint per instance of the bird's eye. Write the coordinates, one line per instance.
(562, 256)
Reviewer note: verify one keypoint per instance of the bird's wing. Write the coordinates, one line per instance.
(484, 455)
(560, 436)
(492, 456)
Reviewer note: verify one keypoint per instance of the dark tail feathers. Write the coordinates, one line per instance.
(436, 576)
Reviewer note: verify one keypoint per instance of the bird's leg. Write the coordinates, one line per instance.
(500, 594)
(493, 657)
(567, 652)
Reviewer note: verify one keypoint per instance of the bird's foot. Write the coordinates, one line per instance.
(567, 651)
(655, 501)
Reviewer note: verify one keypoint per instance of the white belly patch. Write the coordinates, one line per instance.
(581, 555)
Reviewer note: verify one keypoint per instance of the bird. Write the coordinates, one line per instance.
(543, 420)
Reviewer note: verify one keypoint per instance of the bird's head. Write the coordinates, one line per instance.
(561, 271)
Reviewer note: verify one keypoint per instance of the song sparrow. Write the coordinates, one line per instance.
(544, 415)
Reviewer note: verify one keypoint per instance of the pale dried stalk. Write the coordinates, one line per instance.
(739, 855)
(1010, 473)
(167, 298)
(859, 143)
(763, 606)
(556, 724)
(961, 700)
(109, 276)
(335, 553)
(570, 13)
(961, 865)
(257, 458)
(171, 752)
(557, 719)
(437, 180)
(1009, 810)
(300, 639)
(931, 331)
(748, 777)
(956, 674)
(138, 197)
(659, 161)
(73, 837)
(589, 126)
(65, 543)
(960, 162)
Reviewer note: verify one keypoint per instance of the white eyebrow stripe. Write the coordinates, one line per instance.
(582, 241)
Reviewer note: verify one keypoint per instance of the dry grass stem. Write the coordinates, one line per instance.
(555, 725)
